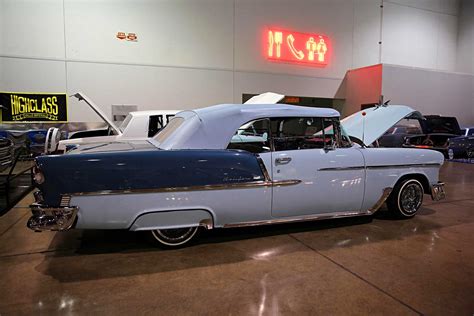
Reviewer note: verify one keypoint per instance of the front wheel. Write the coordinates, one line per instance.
(172, 238)
(406, 198)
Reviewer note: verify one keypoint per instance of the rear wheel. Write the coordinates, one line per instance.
(450, 153)
(470, 153)
(406, 198)
(172, 238)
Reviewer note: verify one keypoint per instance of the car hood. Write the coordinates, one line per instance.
(82, 97)
(370, 124)
(440, 124)
(112, 147)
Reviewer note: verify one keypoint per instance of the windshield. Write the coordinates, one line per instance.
(125, 123)
(172, 126)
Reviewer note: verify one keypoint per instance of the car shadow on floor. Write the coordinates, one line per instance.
(101, 254)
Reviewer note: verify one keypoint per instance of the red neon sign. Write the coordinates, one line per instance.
(296, 47)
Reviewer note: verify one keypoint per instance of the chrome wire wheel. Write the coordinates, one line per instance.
(410, 197)
(174, 237)
(450, 154)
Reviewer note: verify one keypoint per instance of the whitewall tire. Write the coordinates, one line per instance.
(406, 198)
(173, 238)
(450, 154)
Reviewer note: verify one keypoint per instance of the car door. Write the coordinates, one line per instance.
(331, 175)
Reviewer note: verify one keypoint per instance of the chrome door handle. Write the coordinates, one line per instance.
(282, 161)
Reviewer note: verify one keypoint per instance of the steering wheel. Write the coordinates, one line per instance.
(428, 142)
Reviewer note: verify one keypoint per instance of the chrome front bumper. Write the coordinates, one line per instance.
(51, 218)
(437, 191)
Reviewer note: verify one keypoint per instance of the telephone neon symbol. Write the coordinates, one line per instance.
(290, 39)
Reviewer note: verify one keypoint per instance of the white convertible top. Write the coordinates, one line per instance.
(213, 127)
(154, 112)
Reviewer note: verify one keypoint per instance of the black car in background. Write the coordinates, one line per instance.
(462, 147)
(437, 131)
(395, 136)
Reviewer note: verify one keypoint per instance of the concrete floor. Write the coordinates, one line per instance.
(420, 266)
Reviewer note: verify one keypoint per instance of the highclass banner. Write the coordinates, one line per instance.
(33, 107)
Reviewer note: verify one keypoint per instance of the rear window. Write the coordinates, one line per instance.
(169, 129)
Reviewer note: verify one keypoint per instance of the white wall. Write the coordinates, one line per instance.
(193, 53)
(430, 92)
(420, 33)
(465, 51)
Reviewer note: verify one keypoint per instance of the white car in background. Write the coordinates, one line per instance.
(137, 125)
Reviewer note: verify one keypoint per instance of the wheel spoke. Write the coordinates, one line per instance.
(175, 236)
(411, 198)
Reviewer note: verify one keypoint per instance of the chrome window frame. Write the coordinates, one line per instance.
(334, 120)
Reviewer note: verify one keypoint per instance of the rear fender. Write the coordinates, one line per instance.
(173, 219)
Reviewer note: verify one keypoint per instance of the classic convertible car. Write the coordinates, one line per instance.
(235, 165)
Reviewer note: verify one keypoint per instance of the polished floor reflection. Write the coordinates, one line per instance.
(353, 266)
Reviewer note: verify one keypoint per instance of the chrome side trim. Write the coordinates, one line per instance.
(381, 201)
(244, 185)
(342, 168)
(299, 219)
(252, 184)
(370, 211)
(416, 165)
(285, 182)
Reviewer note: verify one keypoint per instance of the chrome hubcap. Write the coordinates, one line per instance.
(174, 236)
(450, 154)
(411, 198)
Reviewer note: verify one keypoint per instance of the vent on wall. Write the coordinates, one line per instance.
(120, 111)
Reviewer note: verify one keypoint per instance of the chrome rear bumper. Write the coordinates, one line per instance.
(437, 191)
(51, 218)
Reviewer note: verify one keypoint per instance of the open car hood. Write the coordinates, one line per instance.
(82, 97)
(369, 124)
(265, 98)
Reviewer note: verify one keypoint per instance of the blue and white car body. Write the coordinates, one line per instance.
(194, 172)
